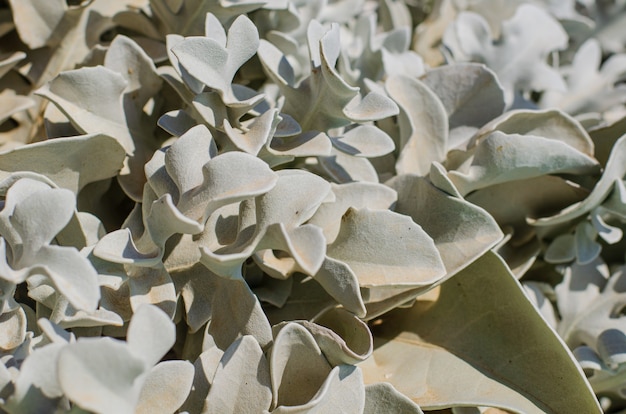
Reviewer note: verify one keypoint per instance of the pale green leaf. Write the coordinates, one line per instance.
(458, 352)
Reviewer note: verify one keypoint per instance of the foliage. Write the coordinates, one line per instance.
(285, 206)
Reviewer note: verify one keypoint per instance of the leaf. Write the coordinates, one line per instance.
(382, 397)
(548, 123)
(423, 125)
(470, 92)
(11, 104)
(590, 88)
(151, 334)
(519, 55)
(342, 336)
(214, 63)
(166, 387)
(13, 328)
(242, 381)
(461, 231)
(343, 168)
(504, 157)
(101, 100)
(188, 17)
(36, 20)
(223, 184)
(341, 392)
(364, 141)
(445, 354)
(358, 195)
(511, 205)
(71, 162)
(295, 351)
(586, 301)
(386, 248)
(101, 375)
(323, 100)
(37, 386)
(615, 170)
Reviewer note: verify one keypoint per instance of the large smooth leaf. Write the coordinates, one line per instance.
(615, 170)
(71, 162)
(470, 92)
(386, 248)
(460, 351)
(242, 380)
(504, 157)
(101, 375)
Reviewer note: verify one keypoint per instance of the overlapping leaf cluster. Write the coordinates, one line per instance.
(311, 206)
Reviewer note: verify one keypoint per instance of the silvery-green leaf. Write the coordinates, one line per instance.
(511, 204)
(470, 92)
(71, 273)
(37, 20)
(609, 234)
(344, 168)
(12, 328)
(152, 286)
(537, 292)
(205, 367)
(101, 375)
(462, 232)
(423, 125)
(257, 134)
(586, 302)
(71, 162)
(92, 99)
(280, 214)
(188, 17)
(397, 58)
(338, 279)
(589, 87)
(54, 333)
(37, 388)
(176, 122)
(11, 104)
(386, 248)
(151, 334)
(587, 249)
(323, 100)
(36, 223)
(295, 351)
(118, 247)
(518, 57)
(233, 318)
(364, 141)
(67, 316)
(504, 157)
(428, 353)
(242, 381)
(215, 64)
(166, 387)
(382, 397)
(342, 336)
(561, 250)
(127, 58)
(8, 62)
(342, 391)
(615, 170)
(357, 195)
(547, 123)
(165, 220)
(283, 149)
(228, 178)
